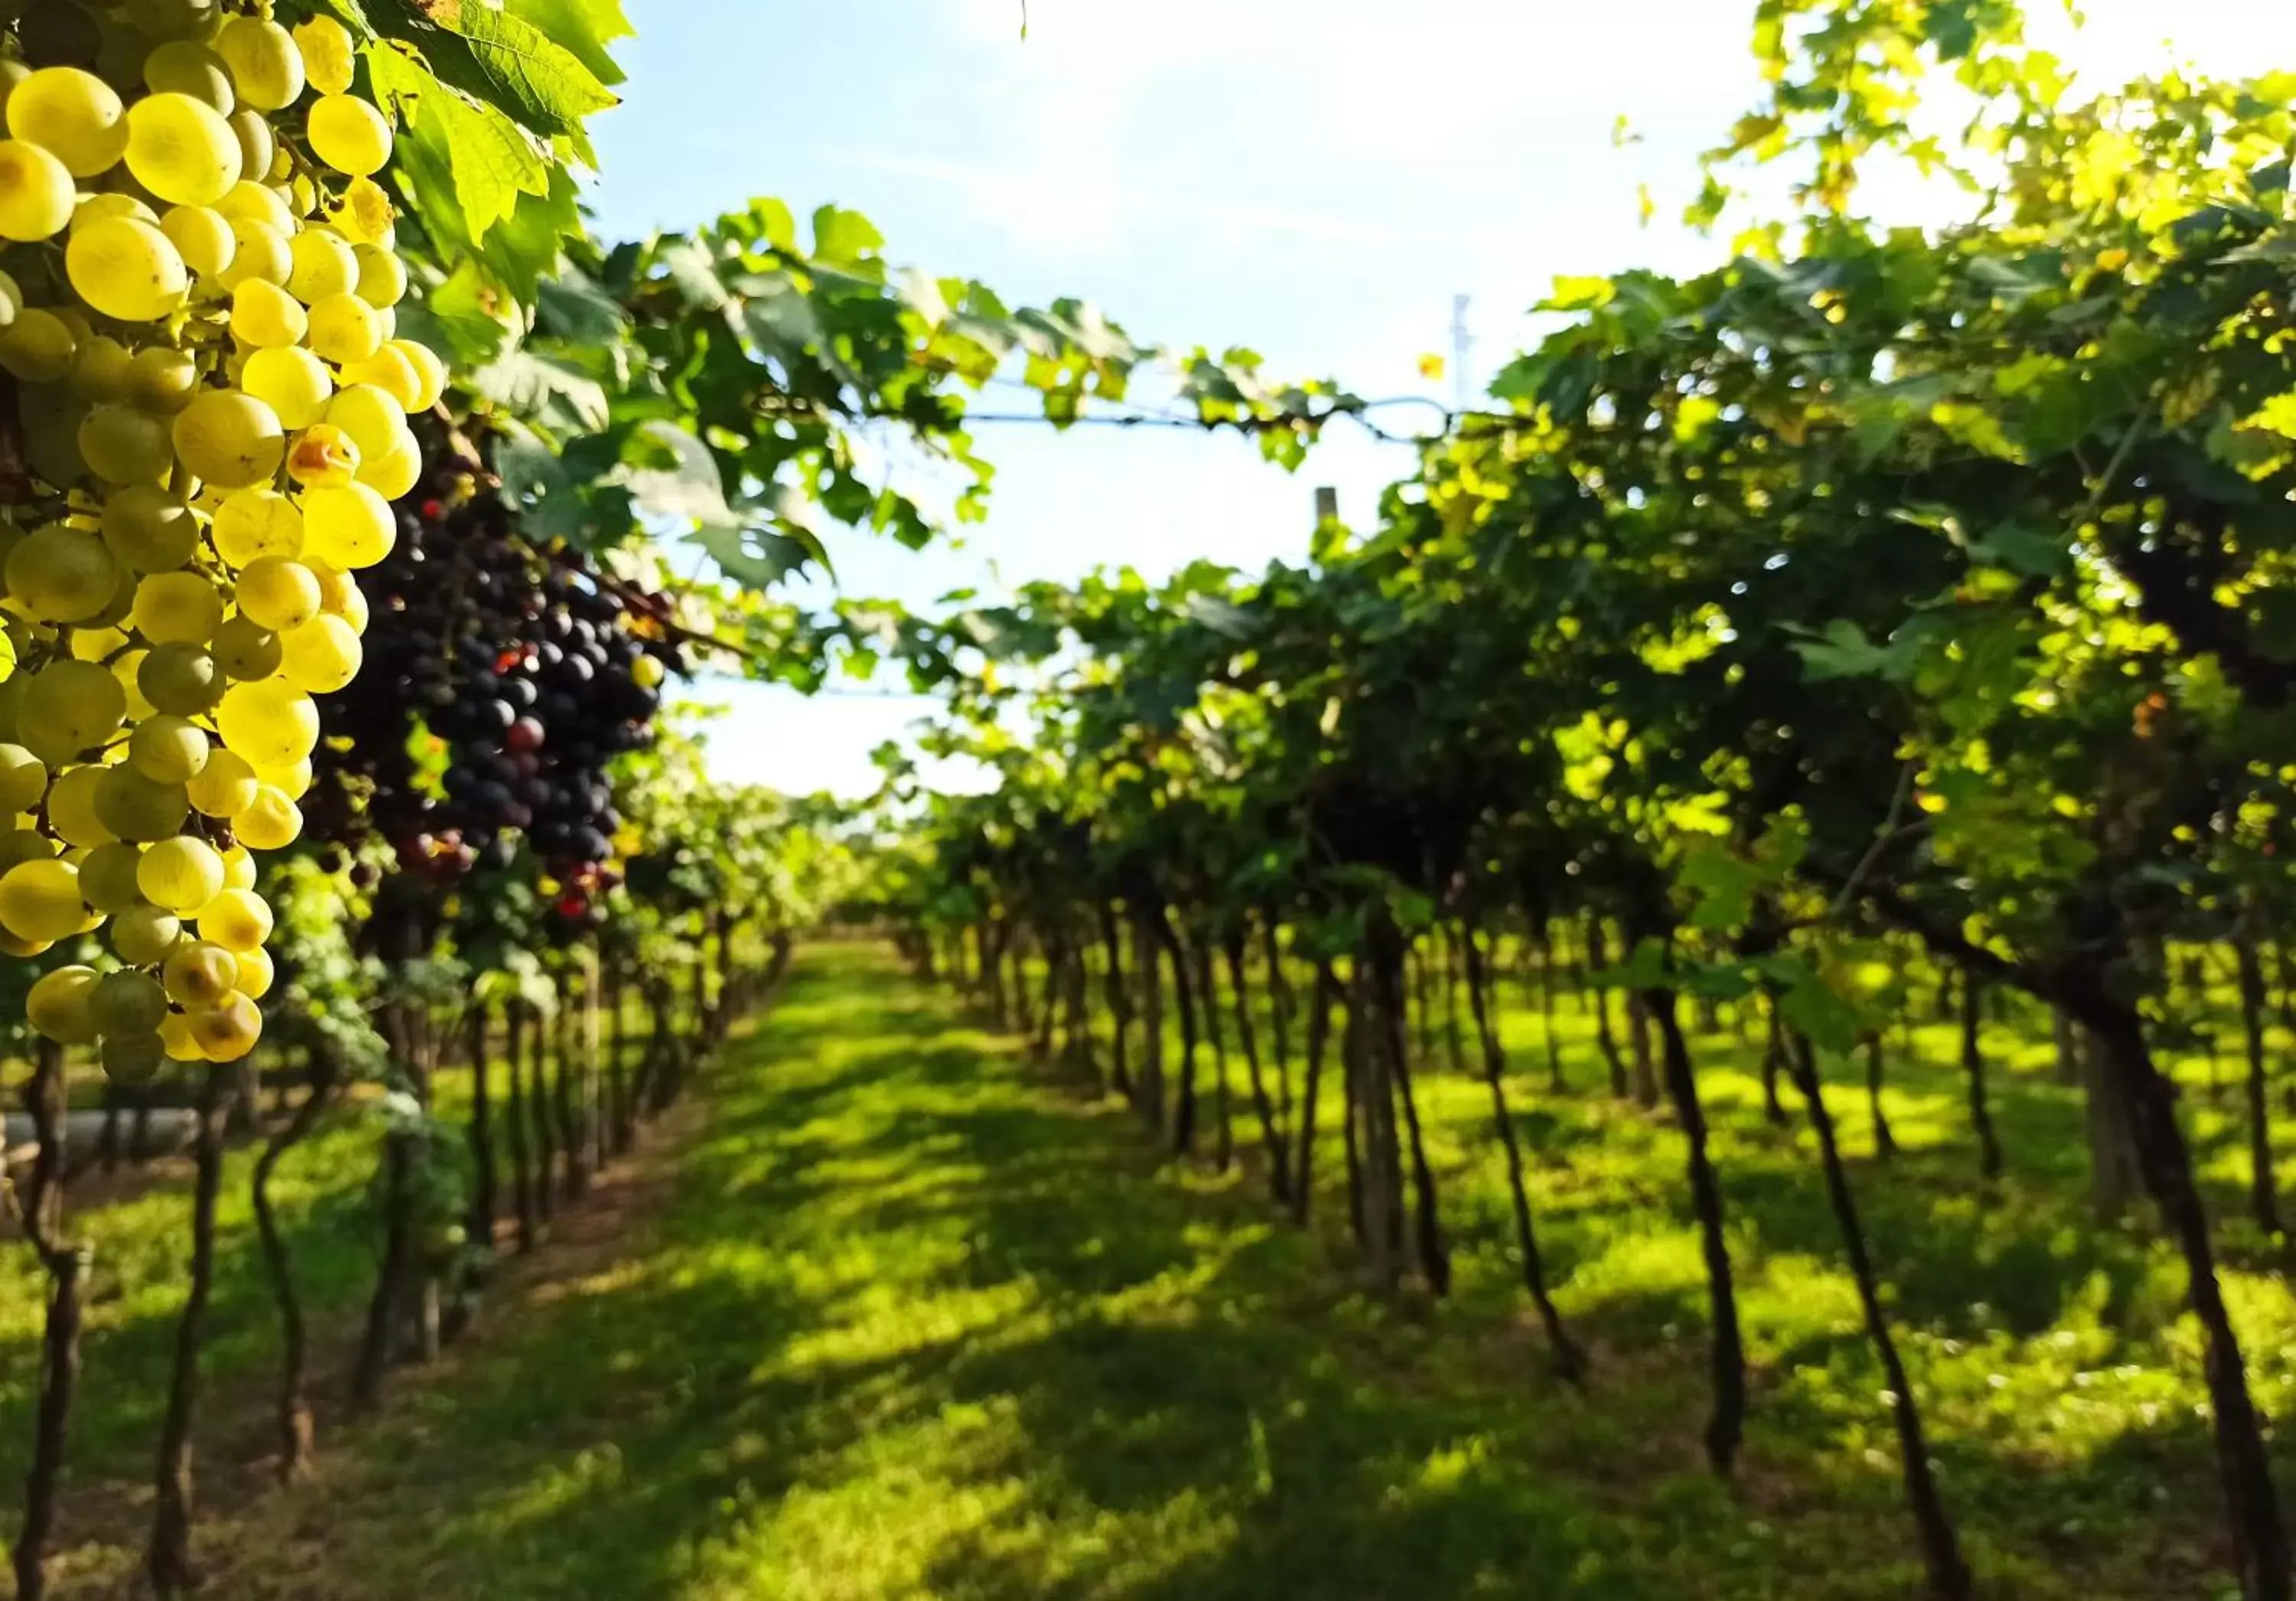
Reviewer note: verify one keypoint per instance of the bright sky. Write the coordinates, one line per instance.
(1315, 178)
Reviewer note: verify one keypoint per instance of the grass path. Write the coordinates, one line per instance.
(908, 1319)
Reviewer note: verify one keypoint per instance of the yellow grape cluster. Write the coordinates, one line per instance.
(197, 312)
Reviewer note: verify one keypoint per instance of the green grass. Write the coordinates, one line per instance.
(918, 1319)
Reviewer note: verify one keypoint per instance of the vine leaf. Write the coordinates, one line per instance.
(498, 58)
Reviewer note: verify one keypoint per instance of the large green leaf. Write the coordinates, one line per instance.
(585, 28)
(498, 58)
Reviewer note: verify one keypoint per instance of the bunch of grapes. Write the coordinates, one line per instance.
(516, 674)
(210, 409)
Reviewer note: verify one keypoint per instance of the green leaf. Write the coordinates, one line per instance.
(544, 391)
(584, 27)
(676, 476)
(500, 59)
(844, 239)
(569, 306)
(493, 161)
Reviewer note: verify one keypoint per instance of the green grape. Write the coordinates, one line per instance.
(128, 1004)
(107, 878)
(237, 919)
(278, 595)
(339, 596)
(257, 202)
(256, 524)
(394, 472)
(182, 680)
(12, 73)
(69, 707)
(50, 414)
(259, 253)
(350, 527)
(647, 672)
(345, 329)
(39, 346)
(272, 821)
(131, 1061)
(102, 369)
(291, 382)
(96, 208)
(349, 134)
(186, 67)
(328, 54)
(150, 529)
(126, 444)
(183, 152)
(224, 787)
(430, 371)
(180, 875)
(72, 813)
(370, 416)
(228, 1031)
(324, 456)
(141, 936)
(258, 146)
(230, 439)
(256, 973)
(21, 845)
(39, 900)
(176, 608)
(73, 115)
(382, 276)
(58, 1005)
(364, 214)
(391, 371)
(202, 237)
(61, 574)
(36, 192)
(162, 380)
(267, 316)
(324, 265)
(266, 64)
(238, 868)
(248, 650)
(322, 656)
(293, 781)
(126, 268)
(171, 19)
(200, 974)
(270, 723)
(56, 32)
(23, 779)
(135, 807)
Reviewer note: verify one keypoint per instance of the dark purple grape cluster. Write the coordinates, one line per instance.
(532, 670)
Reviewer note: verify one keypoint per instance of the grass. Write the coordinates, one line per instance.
(911, 1318)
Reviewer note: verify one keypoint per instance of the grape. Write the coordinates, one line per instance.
(126, 268)
(58, 1005)
(181, 874)
(349, 134)
(324, 265)
(293, 781)
(350, 526)
(102, 369)
(324, 456)
(391, 371)
(256, 973)
(128, 1004)
(431, 373)
(180, 679)
(322, 656)
(132, 1060)
(73, 115)
(372, 418)
(255, 523)
(259, 147)
(248, 650)
(96, 208)
(259, 253)
(328, 56)
(291, 382)
(383, 277)
(162, 380)
(169, 750)
(182, 151)
(345, 329)
(237, 919)
(278, 594)
(265, 66)
(270, 822)
(143, 935)
(67, 707)
(176, 608)
(186, 67)
(72, 812)
(62, 574)
(23, 779)
(227, 1032)
(107, 877)
(126, 444)
(231, 440)
(39, 900)
(394, 472)
(133, 807)
(39, 346)
(270, 723)
(200, 974)
(252, 201)
(19, 845)
(267, 316)
(36, 192)
(224, 787)
(149, 530)
(239, 870)
(202, 237)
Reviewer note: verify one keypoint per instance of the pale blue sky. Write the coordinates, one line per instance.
(1316, 179)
